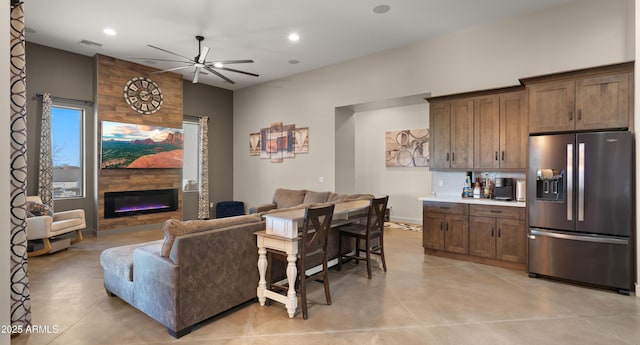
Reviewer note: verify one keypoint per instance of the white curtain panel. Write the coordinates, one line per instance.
(203, 198)
(45, 177)
(20, 308)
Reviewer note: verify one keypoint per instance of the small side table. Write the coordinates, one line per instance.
(288, 246)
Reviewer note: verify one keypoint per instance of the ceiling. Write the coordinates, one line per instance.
(330, 31)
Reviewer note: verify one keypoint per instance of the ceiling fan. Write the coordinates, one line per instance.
(200, 62)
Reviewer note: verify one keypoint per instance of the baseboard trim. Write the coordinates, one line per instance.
(405, 220)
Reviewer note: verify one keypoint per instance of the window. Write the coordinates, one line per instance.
(191, 168)
(67, 143)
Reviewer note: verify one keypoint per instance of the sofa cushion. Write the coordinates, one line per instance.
(333, 197)
(119, 260)
(173, 227)
(311, 197)
(288, 197)
(65, 224)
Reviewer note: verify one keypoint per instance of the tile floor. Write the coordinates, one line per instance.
(420, 300)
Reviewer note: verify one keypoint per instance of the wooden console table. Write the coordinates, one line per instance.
(282, 234)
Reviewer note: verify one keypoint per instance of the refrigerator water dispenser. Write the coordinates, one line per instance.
(549, 184)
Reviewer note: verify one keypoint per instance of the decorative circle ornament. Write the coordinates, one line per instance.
(143, 95)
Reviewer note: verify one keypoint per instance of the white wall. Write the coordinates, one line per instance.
(5, 297)
(403, 185)
(578, 35)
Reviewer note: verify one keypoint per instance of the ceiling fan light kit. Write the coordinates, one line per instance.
(200, 63)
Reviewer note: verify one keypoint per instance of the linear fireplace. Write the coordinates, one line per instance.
(130, 203)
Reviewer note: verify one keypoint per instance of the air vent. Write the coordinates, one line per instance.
(90, 44)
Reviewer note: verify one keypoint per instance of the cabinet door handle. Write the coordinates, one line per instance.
(495, 211)
(496, 155)
(453, 156)
(503, 155)
(492, 230)
(447, 156)
(499, 232)
(446, 226)
(441, 226)
(579, 114)
(570, 115)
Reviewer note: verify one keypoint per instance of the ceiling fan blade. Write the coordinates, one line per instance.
(166, 51)
(196, 75)
(203, 55)
(229, 62)
(238, 71)
(170, 69)
(163, 60)
(219, 75)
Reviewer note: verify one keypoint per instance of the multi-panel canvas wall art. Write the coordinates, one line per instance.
(279, 142)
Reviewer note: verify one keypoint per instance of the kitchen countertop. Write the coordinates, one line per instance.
(458, 199)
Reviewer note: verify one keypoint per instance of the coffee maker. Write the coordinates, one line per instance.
(504, 189)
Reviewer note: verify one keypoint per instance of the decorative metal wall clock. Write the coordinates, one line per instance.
(143, 95)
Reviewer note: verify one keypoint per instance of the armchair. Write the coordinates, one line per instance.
(48, 228)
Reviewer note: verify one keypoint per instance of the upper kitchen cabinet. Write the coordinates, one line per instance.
(479, 130)
(451, 124)
(591, 99)
(500, 132)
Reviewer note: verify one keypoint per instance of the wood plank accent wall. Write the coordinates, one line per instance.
(112, 75)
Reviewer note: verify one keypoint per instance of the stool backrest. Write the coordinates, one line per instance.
(376, 214)
(315, 231)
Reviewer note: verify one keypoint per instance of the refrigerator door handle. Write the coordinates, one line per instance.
(581, 182)
(598, 239)
(569, 195)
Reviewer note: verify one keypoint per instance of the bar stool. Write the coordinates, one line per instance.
(312, 244)
(373, 229)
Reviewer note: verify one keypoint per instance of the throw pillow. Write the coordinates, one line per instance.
(312, 197)
(35, 209)
(285, 198)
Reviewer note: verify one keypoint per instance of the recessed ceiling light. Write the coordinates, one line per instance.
(109, 32)
(294, 61)
(380, 9)
(294, 37)
(218, 65)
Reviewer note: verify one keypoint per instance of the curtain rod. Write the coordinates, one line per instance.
(69, 100)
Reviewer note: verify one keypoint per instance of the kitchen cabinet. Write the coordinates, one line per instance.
(451, 124)
(598, 98)
(446, 227)
(477, 230)
(500, 133)
(497, 232)
(479, 130)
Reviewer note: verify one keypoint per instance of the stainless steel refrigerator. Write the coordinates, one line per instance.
(581, 208)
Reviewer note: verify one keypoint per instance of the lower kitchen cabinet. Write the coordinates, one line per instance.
(446, 227)
(511, 244)
(497, 232)
(488, 234)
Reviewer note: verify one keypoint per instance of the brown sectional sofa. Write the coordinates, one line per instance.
(202, 267)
